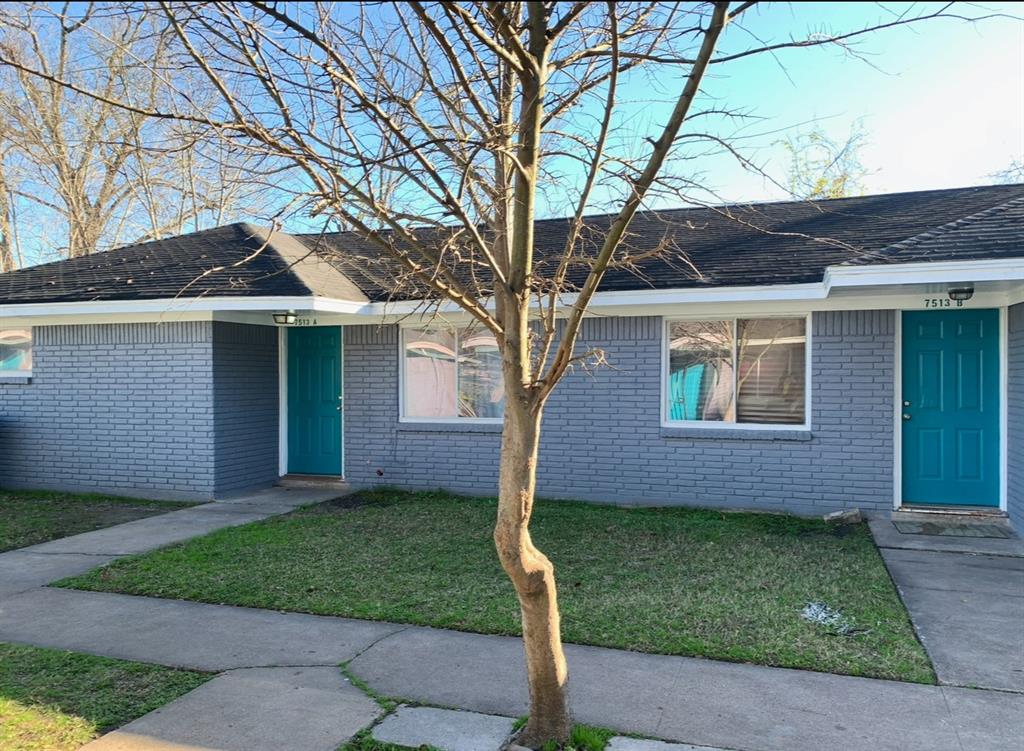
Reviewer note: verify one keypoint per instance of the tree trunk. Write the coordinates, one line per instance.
(531, 573)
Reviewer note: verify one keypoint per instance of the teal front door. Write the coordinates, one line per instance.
(950, 407)
(314, 400)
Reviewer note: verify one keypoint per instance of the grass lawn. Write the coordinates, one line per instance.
(31, 517)
(673, 581)
(57, 701)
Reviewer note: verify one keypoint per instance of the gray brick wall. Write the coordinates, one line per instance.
(180, 410)
(603, 440)
(245, 398)
(116, 408)
(1015, 416)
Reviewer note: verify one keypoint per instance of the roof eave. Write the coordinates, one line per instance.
(626, 302)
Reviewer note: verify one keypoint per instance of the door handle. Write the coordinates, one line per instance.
(906, 416)
(341, 403)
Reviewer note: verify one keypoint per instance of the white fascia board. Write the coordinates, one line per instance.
(180, 305)
(931, 272)
(628, 298)
(761, 293)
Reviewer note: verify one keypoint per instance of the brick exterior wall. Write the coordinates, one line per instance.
(130, 409)
(245, 411)
(123, 408)
(603, 440)
(1015, 416)
(189, 410)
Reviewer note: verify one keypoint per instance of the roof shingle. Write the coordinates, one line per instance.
(788, 242)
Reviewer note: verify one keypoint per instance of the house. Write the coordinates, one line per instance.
(799, 356)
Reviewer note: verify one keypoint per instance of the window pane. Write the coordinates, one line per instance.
(16, 350)
(700, 379)
(481, 389)
(429, 373)
(771, 370)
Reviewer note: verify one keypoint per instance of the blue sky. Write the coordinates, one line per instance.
(942, 102)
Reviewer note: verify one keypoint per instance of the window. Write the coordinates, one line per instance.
(16, 352)
(743, 371)
(451, 374)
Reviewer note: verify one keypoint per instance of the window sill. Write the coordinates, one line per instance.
(736, 434)
(450, 427)
(7, 380)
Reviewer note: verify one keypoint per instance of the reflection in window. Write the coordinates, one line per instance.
(16, 351)
(439, 384)
(740, 371)
(771, 370)
(429, 373)
(700, 384)
(481, 390)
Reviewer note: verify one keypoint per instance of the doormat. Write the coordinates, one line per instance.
(954, 529)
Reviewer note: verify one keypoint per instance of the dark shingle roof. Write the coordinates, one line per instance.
(230, 261)
(994, 233)
(756, 244)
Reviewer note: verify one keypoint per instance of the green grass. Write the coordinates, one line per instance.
(584, 738)
(728, 586)
(32, 517)
(57, 701)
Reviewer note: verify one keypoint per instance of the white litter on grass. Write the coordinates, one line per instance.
(830, 618)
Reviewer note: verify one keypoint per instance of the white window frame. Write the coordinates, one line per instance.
(402, 417)
(15, 374)
(712, 425)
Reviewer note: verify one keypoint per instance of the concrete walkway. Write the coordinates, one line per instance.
(280, 686)
(966, 599)
(246, 710)
(37, 565)
(702, 702)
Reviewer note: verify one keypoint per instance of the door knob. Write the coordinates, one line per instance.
(906, 416)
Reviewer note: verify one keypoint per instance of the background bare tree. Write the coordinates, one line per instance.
(1012, 174)
(10, 255)
(430, 131)
(823, 167)
(103, 175)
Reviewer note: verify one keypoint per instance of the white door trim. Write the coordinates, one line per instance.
(282, 401)
(1004, 411)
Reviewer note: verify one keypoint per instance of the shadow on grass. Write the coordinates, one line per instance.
(52, 700)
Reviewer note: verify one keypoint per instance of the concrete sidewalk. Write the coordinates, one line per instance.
(298, 709)
(965, 596)
(696, 701)
(38, 565)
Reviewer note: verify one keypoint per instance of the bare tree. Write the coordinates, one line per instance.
(822, 167)
(1012, 174)
(430, 130)
(9, 257)
(104, 174)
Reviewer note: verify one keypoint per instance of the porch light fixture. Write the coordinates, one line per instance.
(960, 294)
(289, 318)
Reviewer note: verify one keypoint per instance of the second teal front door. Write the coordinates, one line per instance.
(950, 409)
(315, 400)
